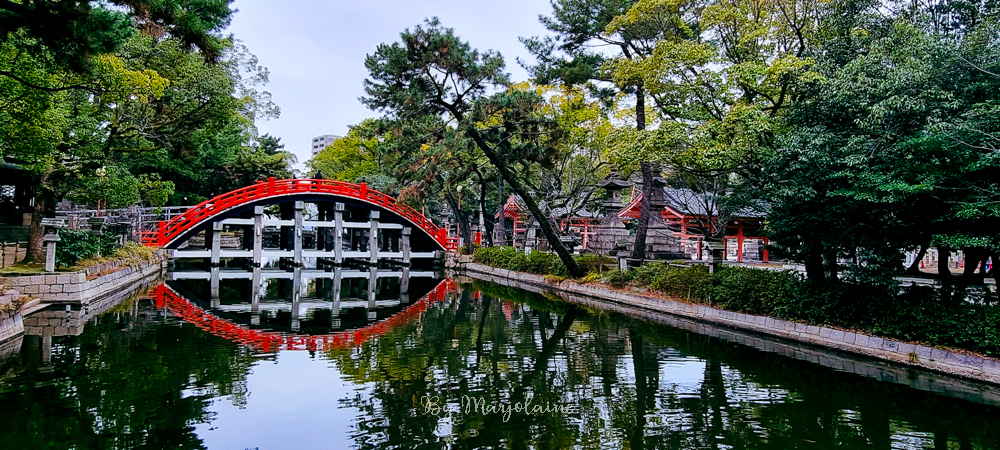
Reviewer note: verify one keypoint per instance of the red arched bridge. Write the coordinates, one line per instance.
(344, 208)
(165, 297)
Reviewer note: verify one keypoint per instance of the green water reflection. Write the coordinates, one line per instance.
(137, 377)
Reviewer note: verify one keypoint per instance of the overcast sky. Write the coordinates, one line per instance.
(315, 51)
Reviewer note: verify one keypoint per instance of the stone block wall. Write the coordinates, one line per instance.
(11, 323)
(70, 321)
(90, 283)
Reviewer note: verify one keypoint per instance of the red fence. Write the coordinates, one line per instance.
(168, 231)
(273, 341)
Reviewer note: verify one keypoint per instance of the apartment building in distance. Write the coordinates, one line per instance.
(320, 142)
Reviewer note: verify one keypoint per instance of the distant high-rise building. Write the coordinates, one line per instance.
(320, 142)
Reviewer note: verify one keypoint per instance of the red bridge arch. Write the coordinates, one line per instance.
(173, 233)
(272, 341)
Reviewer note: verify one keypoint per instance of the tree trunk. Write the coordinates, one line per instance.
(832, 267)
(645, 211)
(638, 437)
(463, 219)
(43, 201)
(974, 256)
(814, 262)
(639, 248)
(36, 248)
(543, 222)
(501, 227)
(914, 268)
(944, 272)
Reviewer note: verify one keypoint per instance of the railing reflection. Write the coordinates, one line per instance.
(328, 287)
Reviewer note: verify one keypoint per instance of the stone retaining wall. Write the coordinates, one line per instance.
(82, 286)
(952, 363)
(70, 321)
(11, 324)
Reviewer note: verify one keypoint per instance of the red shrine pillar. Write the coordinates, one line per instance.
(739, 241)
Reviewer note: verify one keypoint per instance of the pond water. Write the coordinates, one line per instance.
(451, 365)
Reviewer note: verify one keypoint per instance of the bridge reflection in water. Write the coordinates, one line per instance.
(300, 309)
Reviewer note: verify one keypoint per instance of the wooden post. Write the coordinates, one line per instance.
(739, 242)
(335, 310)
(214, 287)
(255, 297)
(296, 295)
(372, 279)
(297, 236)
(404, 245)
(216, 243)
(373, 238)
(258, 235)
(338, 233)
(404, 285)
(766, 256)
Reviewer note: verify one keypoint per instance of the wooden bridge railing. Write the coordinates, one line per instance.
(168, 231)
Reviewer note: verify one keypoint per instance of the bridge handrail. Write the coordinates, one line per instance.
(273, 188)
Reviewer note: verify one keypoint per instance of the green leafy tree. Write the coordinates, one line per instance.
(590, 36)
(432, 72)
(77, 68)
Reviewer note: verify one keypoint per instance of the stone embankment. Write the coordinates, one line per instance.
(11, 323)
(913, 355)
(29, 291)
(92, 282)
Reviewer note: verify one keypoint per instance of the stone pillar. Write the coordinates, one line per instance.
(404, 245)
(373, 238)
(338, 233)
(216, 243)
(47, 347)
(297, 236)
(258, 235)
(50, 251)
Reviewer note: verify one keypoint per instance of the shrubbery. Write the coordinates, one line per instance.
(920, 314)
(536, 262)
(77, 245)
(756, 291)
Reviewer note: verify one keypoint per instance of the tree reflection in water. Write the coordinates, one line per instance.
(133, 379)
(139, 377)
(638, 385)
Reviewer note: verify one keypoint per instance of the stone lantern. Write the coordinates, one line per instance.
(715, 249)
(51, 236)
(611, 235)
(613, 184)
(97, 225)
